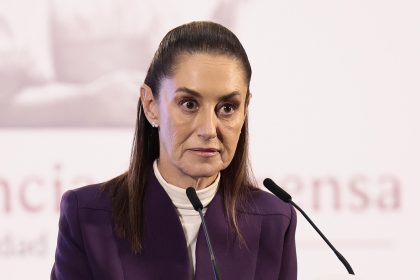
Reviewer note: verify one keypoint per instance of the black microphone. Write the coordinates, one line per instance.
(198, 206)
(283, 195)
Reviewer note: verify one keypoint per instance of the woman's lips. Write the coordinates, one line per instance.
(205, 152)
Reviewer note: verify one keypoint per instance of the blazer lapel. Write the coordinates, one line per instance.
(234, 259)
(164, 254)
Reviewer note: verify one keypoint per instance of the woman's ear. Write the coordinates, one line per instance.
(149, 104)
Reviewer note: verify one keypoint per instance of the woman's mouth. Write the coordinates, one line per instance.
(205, 152)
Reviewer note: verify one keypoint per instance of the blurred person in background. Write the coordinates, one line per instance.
(191, 130)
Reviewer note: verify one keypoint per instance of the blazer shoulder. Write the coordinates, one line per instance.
(264, 203)
(89, 197)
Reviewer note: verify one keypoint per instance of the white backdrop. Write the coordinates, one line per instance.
(334, 117)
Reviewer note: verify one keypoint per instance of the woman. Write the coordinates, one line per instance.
(191, 131)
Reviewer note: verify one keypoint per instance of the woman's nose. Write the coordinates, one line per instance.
(207, 124)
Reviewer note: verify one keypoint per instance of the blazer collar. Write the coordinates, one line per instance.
(235, 259)
(165, 254)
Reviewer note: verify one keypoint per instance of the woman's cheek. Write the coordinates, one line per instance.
(180, 138)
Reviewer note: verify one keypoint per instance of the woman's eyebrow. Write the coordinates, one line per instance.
(189, 91)
(230, 95)
(198, 94)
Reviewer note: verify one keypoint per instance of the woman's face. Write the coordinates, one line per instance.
(200, 112)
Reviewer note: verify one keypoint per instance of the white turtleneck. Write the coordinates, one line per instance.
(190, 219)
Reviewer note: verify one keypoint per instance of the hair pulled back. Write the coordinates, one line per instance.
(127, 190)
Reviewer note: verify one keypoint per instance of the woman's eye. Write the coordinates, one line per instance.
(189, 105)
(227, 109)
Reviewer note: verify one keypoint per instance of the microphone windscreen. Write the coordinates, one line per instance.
(276, 190)
(195, 201)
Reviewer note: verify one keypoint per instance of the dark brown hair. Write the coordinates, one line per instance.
(127, 190)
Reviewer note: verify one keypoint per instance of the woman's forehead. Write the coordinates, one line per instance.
(207, 73)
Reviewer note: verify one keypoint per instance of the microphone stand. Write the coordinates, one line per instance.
(336, 252)
(283, 195)
(198, 206)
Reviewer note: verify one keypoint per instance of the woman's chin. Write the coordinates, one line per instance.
(203, 170)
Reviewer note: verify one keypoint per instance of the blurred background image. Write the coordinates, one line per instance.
(334, 117)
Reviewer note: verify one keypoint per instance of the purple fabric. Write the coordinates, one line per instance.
(87, 247)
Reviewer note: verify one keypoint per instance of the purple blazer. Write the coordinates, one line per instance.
(87, 247)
